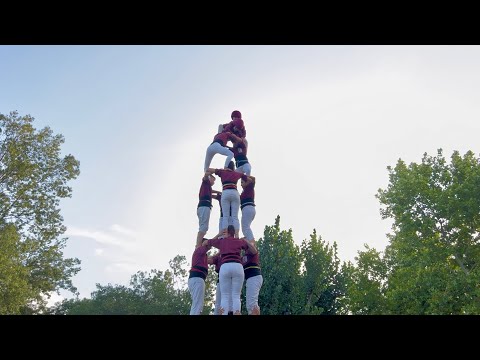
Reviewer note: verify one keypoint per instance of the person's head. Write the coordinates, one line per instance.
(242, 182)
(231, 230)
(231, 165)
(212, 179)
(236, 115)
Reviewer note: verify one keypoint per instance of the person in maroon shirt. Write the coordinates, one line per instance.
(237, 126)
(230, 195)
(247, 205)
(218, 146)
(196, 279)
(231, 272)
(239, 150)
(204, 206)
(253, 281)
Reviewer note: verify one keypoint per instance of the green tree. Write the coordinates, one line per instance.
(281, 261)
(15, 291)
(366, 284)
(33, 179)
(323, 279)
(149, 293)
(434, 251)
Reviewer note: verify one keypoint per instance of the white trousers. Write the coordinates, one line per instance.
(230, 200)
(216, 148)
(253, 286)
(196, 286)
(231, 282)
(248, 214)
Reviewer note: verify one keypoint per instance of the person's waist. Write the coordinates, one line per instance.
(229, 185)
(232, 261)
(251, 272)
(246, 202)
(240, 158)
(204, 202)
(198, 271)
(218, 141)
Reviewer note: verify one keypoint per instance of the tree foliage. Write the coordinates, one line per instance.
(434, 252)
(280, 260)
(323, 277)
(33, 180)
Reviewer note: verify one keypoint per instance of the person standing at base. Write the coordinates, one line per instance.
(253, 281)
(247, 205)
(204, 206)
(231, 272)
(196, 279)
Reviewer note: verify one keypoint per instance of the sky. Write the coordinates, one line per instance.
(323, 123)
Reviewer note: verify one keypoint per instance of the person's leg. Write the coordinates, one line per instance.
(211, 151)
(238, 276)
(218, 297)
(244, 169)
(196, 286)
(225, 287)
(247, 169)
(225, 203)
(253, 286)
(248, 214)
(234, 198)
(228, 153)
(203, 214)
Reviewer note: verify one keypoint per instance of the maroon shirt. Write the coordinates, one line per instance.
(230, 178)
(251, 265)
(239, 132)
(230, 248)
(247, 197)
(239, 150)
(216, 262)
(222, 137)
(249, 259)
(205, 194)
(199, 262)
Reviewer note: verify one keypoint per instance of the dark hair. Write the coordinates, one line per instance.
(236, 113)
(231, 230)
(231, 165)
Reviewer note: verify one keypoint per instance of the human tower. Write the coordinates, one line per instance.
(237, 259)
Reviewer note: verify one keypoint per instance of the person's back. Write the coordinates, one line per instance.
(231, 270)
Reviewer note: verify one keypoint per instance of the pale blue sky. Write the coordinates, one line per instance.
(323, 123)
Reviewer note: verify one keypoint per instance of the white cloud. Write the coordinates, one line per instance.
(122, 267)
(102, 237)
(123, 230)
